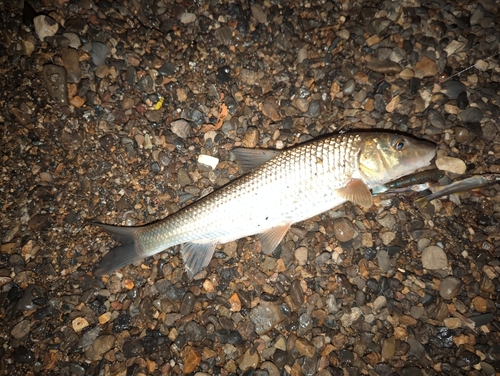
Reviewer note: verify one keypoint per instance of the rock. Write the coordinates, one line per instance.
(208, 160)
(436, 119)
(79, 324)
(192, 361)
(265, 316)
(101, 346)
(450, 287)
(426, 68)
(98, 53)
(181, 128)
(194, 332)
(251, 138)
(434, 258)
(22, 355)
(271, 110)
(45, 26)
(72, 64)
(471, 115)
(187, 303)
(407, 74)
(388, 348)
(296, 293)
(167, 69)
(21, 329)
(187, 18)
(305, 348)
(55, 79)
(258, 13)
(132, 348)
(249, 359)
(383, 66)
(451, 164)
(349, 318)
(461, 134)
(343, 229)
(379, 303)
(74, 40)
(467, 358)
(301, 255)
(452, 88)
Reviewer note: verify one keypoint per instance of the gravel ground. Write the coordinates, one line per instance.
(113, 111)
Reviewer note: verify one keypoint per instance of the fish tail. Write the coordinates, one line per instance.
(125, 254)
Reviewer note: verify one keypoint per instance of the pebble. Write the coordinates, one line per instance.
(301, 255)
(305, 348)
(349, 318)
(251, 138)
(450, 287)
(434, 258)
(101, 346)
(383, 66)
(436, 119)
(471, 115)
(461, 134)
(45, 26)
(208, 160)
(249, 359)
(194, 332)
(453, 88)
(265, 316)
(426, 68)
(192, 361)
(343, 229)
(451, 164)
(99, 51)
(79, 324)
(188, 18)
(21, 329)
(181, 128)
(296, 293)
(28, 298)
(22, 355)
(187, 303)
(55, 79)
(72, 64)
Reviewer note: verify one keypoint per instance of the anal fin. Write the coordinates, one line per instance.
(358, 192)
(271, 238)
(196, 256)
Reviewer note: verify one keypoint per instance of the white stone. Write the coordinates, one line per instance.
(434, 258)
(45, 26)
(208, 160)
(451, 164)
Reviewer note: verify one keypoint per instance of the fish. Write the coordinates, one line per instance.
(414, 182)
(278, 188)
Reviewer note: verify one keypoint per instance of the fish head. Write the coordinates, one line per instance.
(387, 156)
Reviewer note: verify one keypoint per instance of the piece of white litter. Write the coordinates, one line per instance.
(207, 160)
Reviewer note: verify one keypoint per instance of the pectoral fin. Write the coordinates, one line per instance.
(196, 256)
(249, 159)
(271, 238)
(358, 192)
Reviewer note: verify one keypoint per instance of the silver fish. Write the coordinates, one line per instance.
(282, 187)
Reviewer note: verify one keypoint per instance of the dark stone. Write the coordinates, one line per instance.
(132, 348)
(23, 355)
(121, 323)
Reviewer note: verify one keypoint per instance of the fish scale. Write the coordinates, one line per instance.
(282, 188)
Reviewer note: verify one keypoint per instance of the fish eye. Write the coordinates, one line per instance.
(399, 144)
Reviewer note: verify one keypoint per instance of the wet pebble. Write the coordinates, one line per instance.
(467, 358)
(251, 138)
(100, 346)
(181, 128)
(194, 332)
(461, 134)
(55, 79)
(452, 88)
(72, 64)
(434, 258)
(99, 51)
(450, 287)
(265, 316)
(471, 115)
(132, 348)
(45, 26)
(187, 303)
(343, 229)
(451, 164)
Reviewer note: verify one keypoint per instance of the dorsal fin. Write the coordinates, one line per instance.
(250, 159)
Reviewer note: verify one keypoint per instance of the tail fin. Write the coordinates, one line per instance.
(118, 257)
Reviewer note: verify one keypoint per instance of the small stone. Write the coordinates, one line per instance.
(132, 348)
(251, 138)
(343, 229)
(374, 39)
(71, 61)
(249, 359)
(181, 128)
(55, 79)
(450, 287)
(471, 115)
(98, 53)
(74, 40)
(224, 35)
(451, 164)
(436, 119)
(79, 324)
(187, 18)
(383, 66)
(427, 68)
(258, 13)
(21, 329)
(452, 323)
(77, 101)
(187, 303)
(235, 303)
(101, 346)
(192, 361)
(154, 116)
(265, 316)
(379, 303)
(305, 348)
(454, 46)
(343, 34)
(407, 74)
(434, 258)
(467, 358)
(388, 348)
(194, 332)
(301, 255)
(128, 284)
(452, 88)
(167, 69)
(22, 355)
(45, 26)
(271, 110)
(104, 318)
(296, 293)
(461, 134)
(349, 318)
(480, 304)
